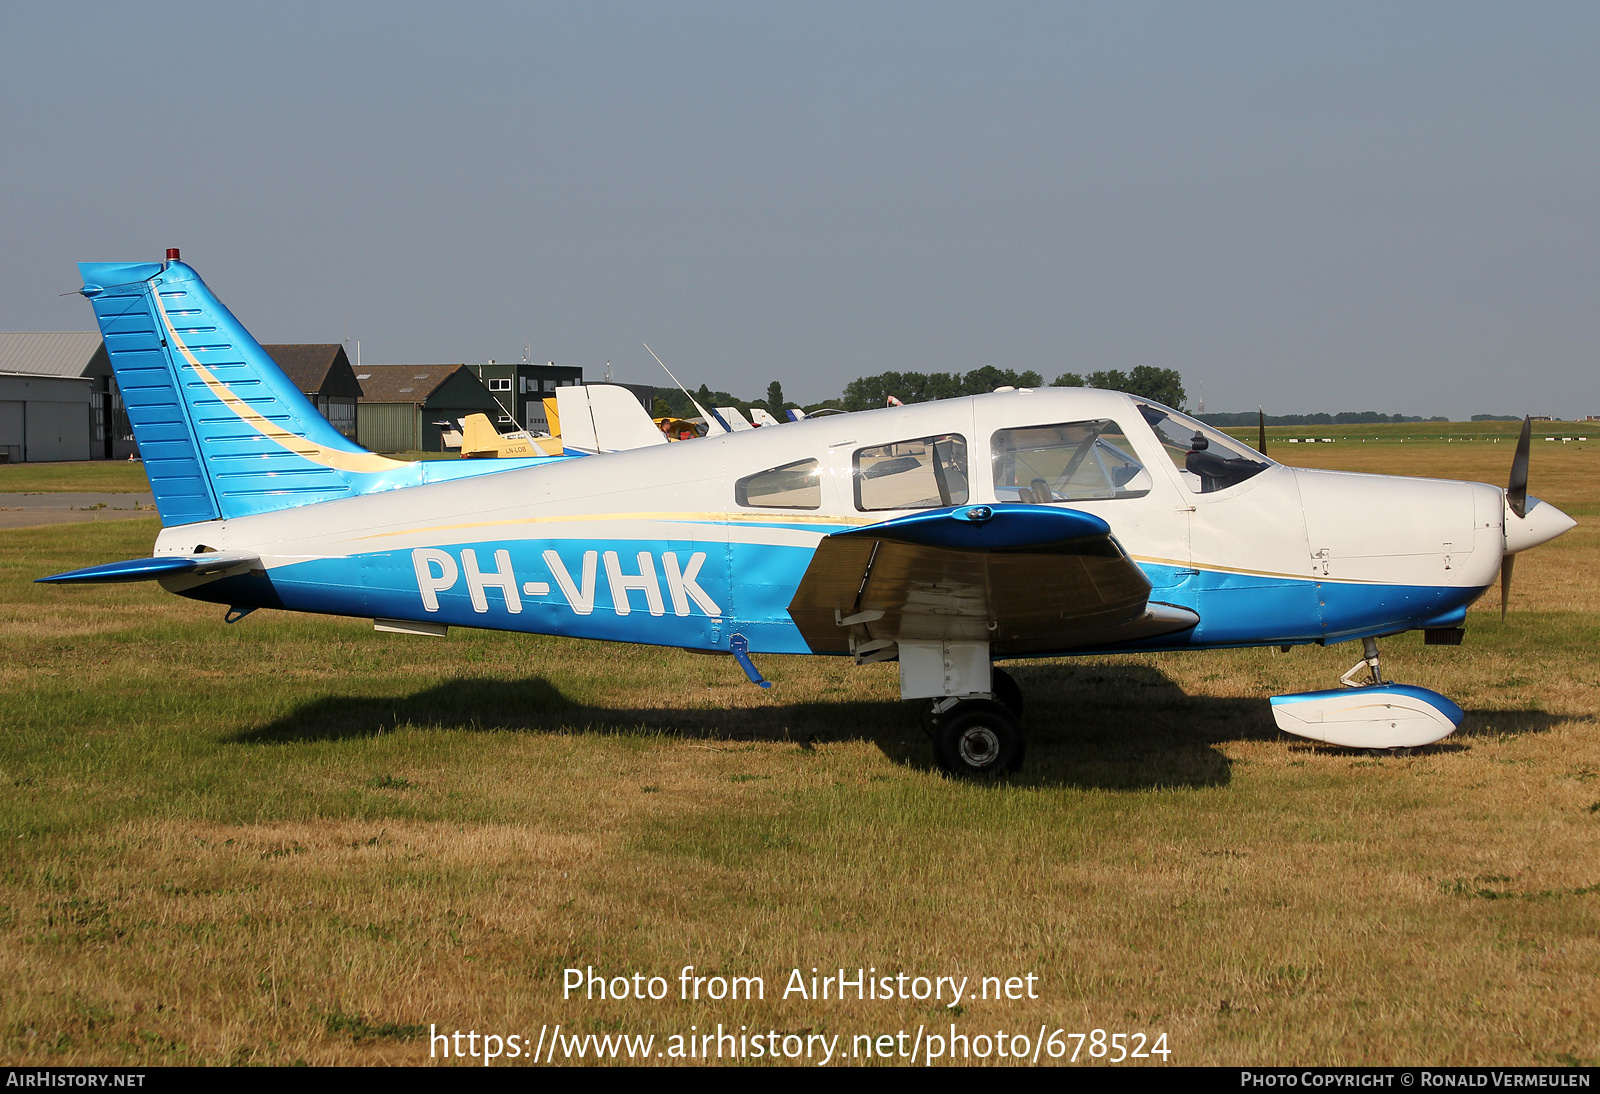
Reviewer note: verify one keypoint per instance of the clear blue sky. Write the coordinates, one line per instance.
(1310, 206)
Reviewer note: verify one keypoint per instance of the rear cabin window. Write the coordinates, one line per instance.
(793, 486)
(925, 473)
(1072, 461)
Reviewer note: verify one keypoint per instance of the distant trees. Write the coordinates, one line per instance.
(1344, 417)
(870, 392)
(1163, 385)
(678, 403)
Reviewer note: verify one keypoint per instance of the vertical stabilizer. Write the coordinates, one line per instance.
(223, 432)
(603, 418)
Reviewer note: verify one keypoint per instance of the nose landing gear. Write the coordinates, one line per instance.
(1369, 661)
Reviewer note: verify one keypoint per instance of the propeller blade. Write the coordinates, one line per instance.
(1517, 489)
(1261, 431)
(1506, 565)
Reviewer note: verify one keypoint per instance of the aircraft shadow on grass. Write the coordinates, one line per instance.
(1091, 727)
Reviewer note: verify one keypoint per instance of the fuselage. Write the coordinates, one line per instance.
(673, 545)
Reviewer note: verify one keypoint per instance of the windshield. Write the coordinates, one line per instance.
(1207, 459)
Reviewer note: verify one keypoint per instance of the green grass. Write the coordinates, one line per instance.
(93, 477)
(294, 838)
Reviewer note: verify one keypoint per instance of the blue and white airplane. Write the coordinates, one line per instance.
(944, 535)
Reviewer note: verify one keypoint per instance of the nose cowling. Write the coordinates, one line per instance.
(1540, 523)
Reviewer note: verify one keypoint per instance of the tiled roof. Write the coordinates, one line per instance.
(307, 364)
(402, 383)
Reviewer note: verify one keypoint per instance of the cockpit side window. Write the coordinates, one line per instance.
(795, 485)
(1072, 461)
(925, 473)
(1208, 459)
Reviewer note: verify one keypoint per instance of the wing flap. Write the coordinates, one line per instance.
(1024, 579)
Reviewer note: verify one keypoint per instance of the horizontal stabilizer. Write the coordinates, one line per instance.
(149, 569)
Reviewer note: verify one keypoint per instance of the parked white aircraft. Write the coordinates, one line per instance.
(943, 536)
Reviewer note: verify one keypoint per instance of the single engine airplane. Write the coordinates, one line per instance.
(943, 535)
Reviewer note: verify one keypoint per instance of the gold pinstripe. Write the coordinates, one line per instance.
(369, 462)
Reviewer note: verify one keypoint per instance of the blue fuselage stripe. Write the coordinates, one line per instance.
(695, 594)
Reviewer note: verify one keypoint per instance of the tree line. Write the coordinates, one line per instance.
(1163, 385)
(1146, 381)
(1344, 417)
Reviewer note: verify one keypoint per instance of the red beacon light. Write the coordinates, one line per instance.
(172, 254)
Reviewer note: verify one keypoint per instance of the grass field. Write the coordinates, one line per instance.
(89, 477)
(297, 839)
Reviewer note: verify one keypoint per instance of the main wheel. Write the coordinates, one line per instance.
(1006, 692)
(978, 737)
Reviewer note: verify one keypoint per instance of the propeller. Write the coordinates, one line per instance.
(1261, 431)
(1517, 489)
(1517, 502)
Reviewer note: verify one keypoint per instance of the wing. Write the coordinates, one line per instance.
(1026, 579)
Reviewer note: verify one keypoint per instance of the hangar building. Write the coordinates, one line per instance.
(59, 400)
(323, 374)
(401, 405)
(521, 389)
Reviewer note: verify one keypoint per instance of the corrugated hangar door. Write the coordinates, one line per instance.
(57, 431)
(11, 430)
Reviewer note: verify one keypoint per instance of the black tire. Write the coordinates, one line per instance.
(1007, 692)
(976, 738)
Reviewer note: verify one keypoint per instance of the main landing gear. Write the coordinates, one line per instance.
(975, 736)
(973, 711)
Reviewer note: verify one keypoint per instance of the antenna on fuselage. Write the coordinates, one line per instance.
(1261, 431)
(711, 420)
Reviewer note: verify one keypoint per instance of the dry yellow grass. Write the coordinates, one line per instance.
(297, 839)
